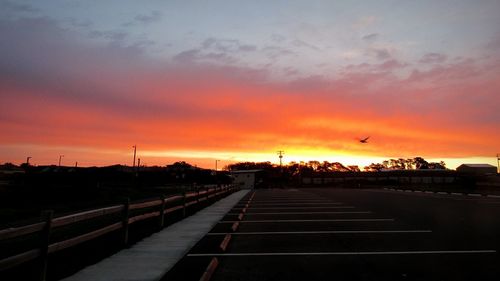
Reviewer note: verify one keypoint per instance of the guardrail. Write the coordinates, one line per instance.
(130, 213)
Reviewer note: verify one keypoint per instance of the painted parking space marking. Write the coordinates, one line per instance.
(321, 232)
(437, 252)
(306, 213)
(312, 220)
(294, 201)
(298, 207)
(474, 194)
(274, 204)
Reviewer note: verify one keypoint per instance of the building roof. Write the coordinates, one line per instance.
(478, 165)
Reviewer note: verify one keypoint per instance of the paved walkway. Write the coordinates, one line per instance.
(152, 257)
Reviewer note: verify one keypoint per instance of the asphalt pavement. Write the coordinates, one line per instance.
(349, 234)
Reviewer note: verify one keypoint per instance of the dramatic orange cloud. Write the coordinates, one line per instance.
(107, 100)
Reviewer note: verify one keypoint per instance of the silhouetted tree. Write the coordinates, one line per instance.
(417, 163)
(374, 167)
(354, 168)
(420, 163)
(251, 166)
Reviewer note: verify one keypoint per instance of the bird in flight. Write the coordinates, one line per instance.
(365, 140)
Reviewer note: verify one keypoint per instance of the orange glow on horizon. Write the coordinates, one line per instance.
(224, 117)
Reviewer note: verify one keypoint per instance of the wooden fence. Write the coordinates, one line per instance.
(130, 213)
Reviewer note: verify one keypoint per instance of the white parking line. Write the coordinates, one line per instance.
(274, 204)
(321, 232)
(347, 253)
(456, 193)
(474, 194)
(292, 201)
(494, 196)
(298, 207)
(304, 213)
(314, 220)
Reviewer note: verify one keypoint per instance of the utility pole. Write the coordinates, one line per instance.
(76, 164)
(28, 160)
(280, 155)
(498, 162)
(60, 157)
(138, 162)
(135, 150)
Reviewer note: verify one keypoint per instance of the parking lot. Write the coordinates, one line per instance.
(349, 234)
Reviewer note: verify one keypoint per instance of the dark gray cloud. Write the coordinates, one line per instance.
(154, 16)
(290, 71)
(379, 53)
(198, 55)
(188, 56)
(391, 64)
(384, 67)
(278, 38)
(276, 52)
(460, 70)
(80, 23)
(216, 50)
(494, 44)
(15, 7)
(39, 53)
(226, 45)
(371, 37)
(248, 48)
(433, 58)
(110, 35)
(302, 44)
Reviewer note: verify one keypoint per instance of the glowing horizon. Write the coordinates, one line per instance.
(421, 79)
(87, 157)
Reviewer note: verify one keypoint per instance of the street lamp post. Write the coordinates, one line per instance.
(60, 157)
(28, 160)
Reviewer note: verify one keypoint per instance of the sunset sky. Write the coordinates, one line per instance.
(239, 80)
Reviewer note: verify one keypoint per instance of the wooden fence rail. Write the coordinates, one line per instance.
(162, 207)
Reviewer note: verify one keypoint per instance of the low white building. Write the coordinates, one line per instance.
(246, 179)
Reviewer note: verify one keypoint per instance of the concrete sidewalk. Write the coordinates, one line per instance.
(152, 257)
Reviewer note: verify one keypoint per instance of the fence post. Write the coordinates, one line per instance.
(184, 204)
(162, 213)
(126, 214)
(45, 242)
